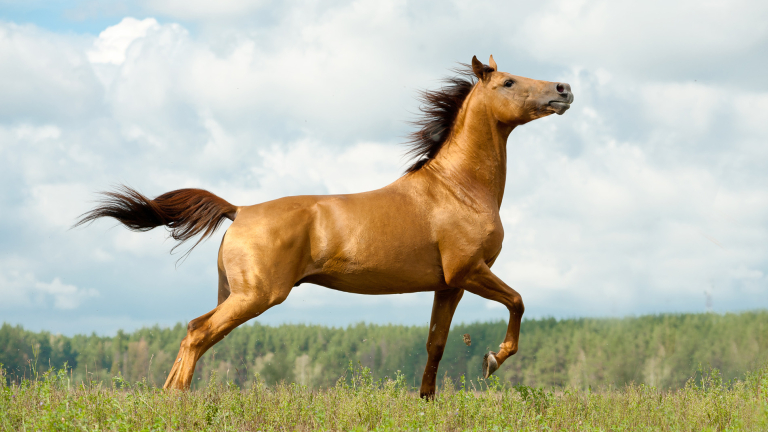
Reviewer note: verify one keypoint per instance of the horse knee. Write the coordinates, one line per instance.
(196, 332)
(192, 340)
(196, 323)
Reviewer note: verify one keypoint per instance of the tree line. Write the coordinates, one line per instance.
(658, 350)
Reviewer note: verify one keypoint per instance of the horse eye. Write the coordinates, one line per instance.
(508, 83)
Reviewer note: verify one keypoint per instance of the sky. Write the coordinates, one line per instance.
(650, 195)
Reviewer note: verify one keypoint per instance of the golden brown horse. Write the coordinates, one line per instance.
(436, 228)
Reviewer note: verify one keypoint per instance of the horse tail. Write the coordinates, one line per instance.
(186, 212)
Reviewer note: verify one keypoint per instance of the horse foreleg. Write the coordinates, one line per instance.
(483, 282)
(207, 330)
(442, 313)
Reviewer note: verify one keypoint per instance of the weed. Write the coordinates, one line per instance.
(357, 402)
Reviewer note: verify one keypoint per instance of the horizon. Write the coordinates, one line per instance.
(500, 321)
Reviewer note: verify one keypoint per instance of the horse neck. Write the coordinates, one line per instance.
(475, 156)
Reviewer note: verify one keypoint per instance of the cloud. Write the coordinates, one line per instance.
(644, 195)
(644, 222)
(47, 76)
(205, 10)
(648, 39)
(112, 44)
(23, 290)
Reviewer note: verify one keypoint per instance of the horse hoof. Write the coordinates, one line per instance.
(428, 396)
(490, 365)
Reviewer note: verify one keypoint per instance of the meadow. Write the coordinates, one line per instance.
(664, 372)
(358, 403)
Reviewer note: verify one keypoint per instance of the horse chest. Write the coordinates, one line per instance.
(476, 235)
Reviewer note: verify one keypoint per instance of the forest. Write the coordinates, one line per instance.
(663, 351)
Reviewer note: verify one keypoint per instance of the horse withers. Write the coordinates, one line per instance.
(436, 228)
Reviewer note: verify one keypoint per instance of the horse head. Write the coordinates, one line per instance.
(516, 100)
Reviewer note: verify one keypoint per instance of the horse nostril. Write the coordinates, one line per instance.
(560, 88)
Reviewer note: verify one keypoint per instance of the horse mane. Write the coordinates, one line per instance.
(438, 113)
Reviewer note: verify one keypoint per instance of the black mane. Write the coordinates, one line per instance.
(438, 113)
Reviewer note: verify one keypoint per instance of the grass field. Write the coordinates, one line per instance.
(54, 402)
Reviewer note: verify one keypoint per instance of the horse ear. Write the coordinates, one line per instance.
(480, 70)
(492, 64)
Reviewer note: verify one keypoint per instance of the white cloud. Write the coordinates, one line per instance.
(57, 205)
(690, 105)
(641, 225)
(34, 134)
(112, 44)
(24, 290)
(46, 76)
(310, 164)
(642, 38)
(64, 296)
(206, 10)
(647, 192)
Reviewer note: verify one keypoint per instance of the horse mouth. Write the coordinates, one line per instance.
(560, 106)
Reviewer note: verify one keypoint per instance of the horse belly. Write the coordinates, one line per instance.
(402, 274)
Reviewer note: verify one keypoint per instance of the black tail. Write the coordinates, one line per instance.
(186, 212)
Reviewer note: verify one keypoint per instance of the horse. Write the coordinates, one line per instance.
(436, 228)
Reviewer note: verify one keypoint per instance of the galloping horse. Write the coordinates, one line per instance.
(436, 228)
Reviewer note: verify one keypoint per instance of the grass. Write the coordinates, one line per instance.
(358, 403)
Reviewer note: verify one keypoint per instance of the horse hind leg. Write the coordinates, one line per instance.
(190, 351)
(240, 299)
(248, 286)
(205, 331)
(443, 309)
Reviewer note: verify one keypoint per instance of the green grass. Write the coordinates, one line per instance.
(55, 402)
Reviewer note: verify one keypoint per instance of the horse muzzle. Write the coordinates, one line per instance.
(560, 106)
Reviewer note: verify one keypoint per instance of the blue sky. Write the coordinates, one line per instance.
(78, 17)
(647, 196)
